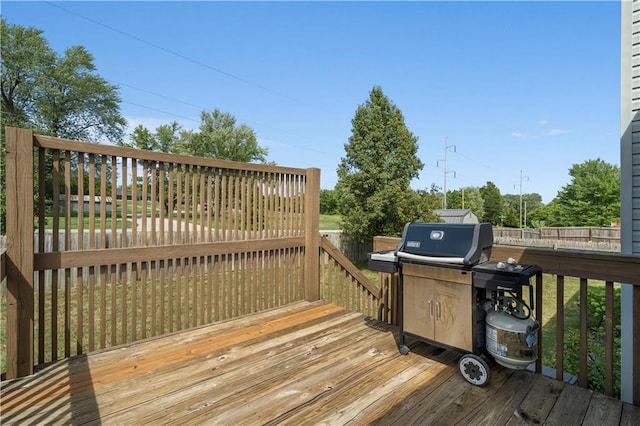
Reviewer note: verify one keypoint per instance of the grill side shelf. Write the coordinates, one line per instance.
(383, 261)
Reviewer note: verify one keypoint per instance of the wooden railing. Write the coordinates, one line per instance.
(343, 284)
(589, 268)
(191, 241)
(3, 265)
(130, 244)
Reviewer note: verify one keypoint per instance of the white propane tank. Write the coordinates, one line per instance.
(511, 341)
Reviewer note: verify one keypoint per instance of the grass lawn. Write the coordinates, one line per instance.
(329, 222)
(549, 314)
(548, 320)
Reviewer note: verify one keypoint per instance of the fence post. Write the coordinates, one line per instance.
(20, 292)
(312, 235)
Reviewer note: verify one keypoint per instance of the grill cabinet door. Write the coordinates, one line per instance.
(453, 315)
(418, 307)
(437, 305)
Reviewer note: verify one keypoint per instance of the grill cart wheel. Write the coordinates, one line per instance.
(474, 369)
(404, 350)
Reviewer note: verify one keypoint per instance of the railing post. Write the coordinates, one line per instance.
(20, 292)
(312, 235)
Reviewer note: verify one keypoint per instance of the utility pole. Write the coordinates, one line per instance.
(446, 149)
(521, 177)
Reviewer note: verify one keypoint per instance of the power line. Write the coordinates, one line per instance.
(475, 161)
(174, 53)
(202, 108)
(159, 110)
(186, 58)
(298, 146)
(260, 137)
(194, 61)
(156, 94)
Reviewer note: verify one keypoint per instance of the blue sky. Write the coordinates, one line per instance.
(518, 88)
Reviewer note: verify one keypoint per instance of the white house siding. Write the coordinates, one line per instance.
(630, 171)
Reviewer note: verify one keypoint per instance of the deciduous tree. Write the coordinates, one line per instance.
(219, 137)
(165, 139)
(530, 202)
(472, 200)
(592, 198)
(73, 102)
(329, 201)
(493, 203)
(374, 175)
(53, 94)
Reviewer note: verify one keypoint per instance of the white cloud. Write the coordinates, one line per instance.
(543, 122)
(555, 132)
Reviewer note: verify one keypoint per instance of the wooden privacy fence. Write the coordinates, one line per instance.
(188, 241)
(593, 234)
(575, 238)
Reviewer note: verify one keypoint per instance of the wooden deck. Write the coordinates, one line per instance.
(306, 363)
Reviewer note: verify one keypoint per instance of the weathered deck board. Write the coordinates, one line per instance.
(630, 415)
(572, 404)
(306, 363)
(541, 397)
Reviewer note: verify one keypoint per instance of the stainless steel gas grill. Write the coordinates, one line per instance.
(451, 295)
(453, 244)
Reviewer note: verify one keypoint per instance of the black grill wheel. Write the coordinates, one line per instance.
(474, 369)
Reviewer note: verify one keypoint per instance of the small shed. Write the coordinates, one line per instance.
(74, 201)
(457, 215)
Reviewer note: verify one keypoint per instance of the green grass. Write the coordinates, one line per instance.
(595, 331)
(329, 222)
(183, 311)
(73, 223)
(548, 320)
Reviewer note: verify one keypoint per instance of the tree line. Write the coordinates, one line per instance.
(62, 95)
(582, 202)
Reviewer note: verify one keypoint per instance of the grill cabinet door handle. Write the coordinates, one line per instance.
(430, 304)
(439, 311)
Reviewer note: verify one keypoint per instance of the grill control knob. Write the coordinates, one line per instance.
(511, 261)
(501, 265)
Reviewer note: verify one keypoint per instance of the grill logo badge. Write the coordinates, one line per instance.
(437, 235)
(413, 244)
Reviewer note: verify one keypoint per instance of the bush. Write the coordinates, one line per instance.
(596, 367)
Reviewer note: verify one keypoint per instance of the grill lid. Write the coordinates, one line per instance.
(456, 243)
